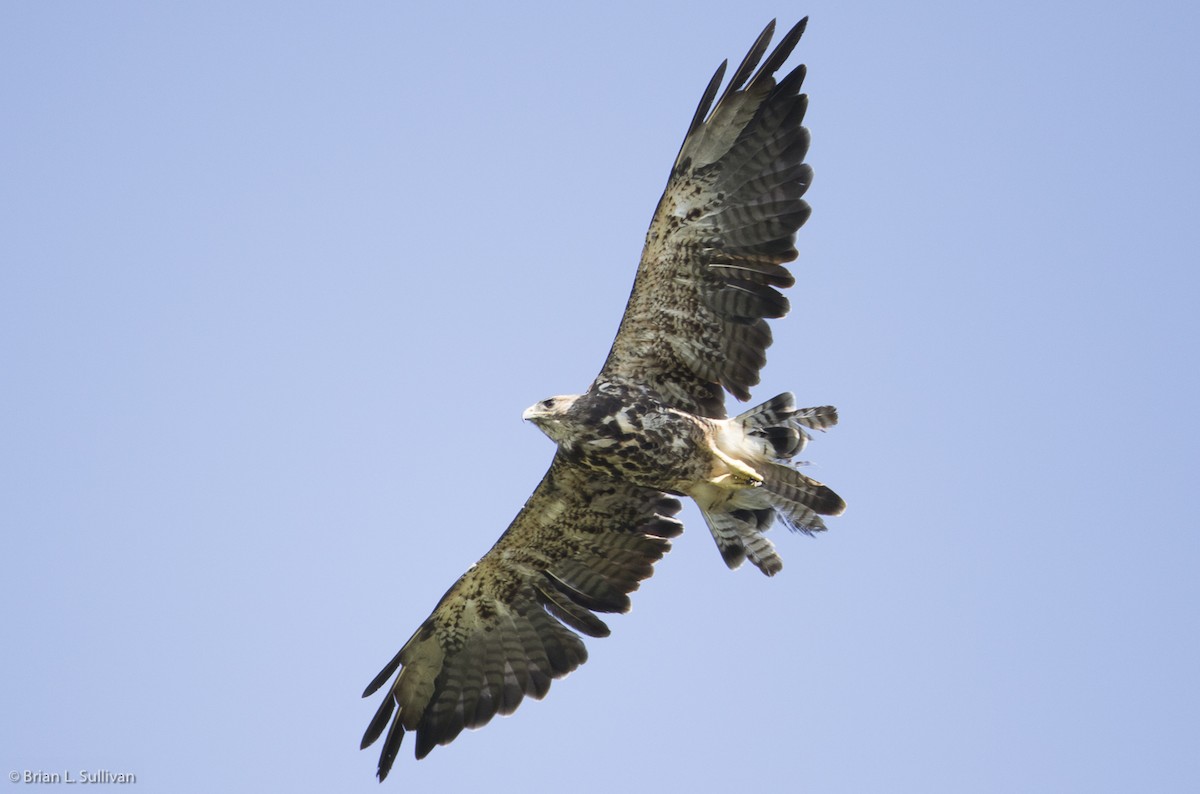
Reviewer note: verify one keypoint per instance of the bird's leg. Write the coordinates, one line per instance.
(741, 474)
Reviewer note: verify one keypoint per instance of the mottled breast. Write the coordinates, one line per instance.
(628, 433)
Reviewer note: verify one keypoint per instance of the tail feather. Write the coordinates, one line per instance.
(791, 486)
(766, 438)
(778, 425)
(822, 417)
(799, 518)
(785, 440)
(777, 410)
(739, 537)
(761, 552)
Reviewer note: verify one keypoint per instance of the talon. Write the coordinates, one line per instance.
(750, 480)
(741, 474)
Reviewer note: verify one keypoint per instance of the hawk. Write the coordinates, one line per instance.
(652, 427)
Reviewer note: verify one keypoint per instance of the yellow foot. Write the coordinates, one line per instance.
(742, 475)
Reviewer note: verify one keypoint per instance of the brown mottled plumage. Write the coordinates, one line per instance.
(652, 424)
(580, 545)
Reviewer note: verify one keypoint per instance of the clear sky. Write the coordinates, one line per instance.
(278, 279)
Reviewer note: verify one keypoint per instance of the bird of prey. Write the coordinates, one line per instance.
(651, 427)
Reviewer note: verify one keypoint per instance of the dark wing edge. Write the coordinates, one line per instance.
(580, 545)
(709, 279)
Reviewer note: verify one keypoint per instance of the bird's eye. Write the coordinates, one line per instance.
(548, 403)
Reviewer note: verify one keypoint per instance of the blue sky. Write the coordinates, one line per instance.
(278, 280)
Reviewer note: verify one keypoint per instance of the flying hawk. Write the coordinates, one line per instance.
(650, 428)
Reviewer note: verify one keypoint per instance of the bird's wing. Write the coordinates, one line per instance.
(580, 545)
(715, 252)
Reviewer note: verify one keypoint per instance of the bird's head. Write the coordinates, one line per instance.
(549, 415)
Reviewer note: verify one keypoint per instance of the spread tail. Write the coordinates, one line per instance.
(765, 439)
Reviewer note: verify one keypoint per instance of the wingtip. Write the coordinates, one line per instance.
(797, 31)
(800, 27)
(391, 748)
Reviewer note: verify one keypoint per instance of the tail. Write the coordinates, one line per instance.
(766, 438)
